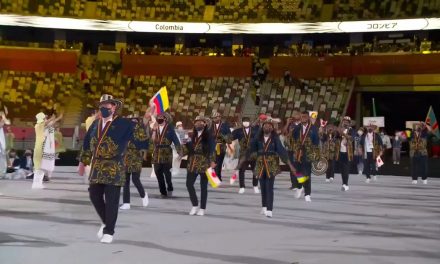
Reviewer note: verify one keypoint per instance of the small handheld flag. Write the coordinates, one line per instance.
(431, 120)
(160, 100)
(233, 178)
(212, 178)
(301, 178)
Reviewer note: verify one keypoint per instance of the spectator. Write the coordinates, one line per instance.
(397, 147)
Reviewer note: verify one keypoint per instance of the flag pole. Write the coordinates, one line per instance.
(374, 107)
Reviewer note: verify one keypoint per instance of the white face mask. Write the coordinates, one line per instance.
(246, 124)
(360, 133)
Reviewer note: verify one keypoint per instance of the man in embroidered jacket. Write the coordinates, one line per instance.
(291, 124)
(220, 131)
(163, 135)
(104, 149)
(307, 151)
(418, 152)
(134, 156)
(244, 135)
(372, 147)
(266, 149)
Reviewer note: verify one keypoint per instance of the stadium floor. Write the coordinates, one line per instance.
(388, 221)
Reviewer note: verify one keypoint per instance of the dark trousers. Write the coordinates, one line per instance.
(219, 161)
(136, 177)
(266, 185)
(242, 171)
(419, 167)
(305, 168)
(293, 178)
(190, 181)
(105, 199)
(369, 165)
(163, 173)
(330, 173)
(344, 165)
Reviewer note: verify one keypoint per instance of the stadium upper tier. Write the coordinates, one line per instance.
(226, 10)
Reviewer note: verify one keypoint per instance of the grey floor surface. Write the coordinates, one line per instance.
(388, 221)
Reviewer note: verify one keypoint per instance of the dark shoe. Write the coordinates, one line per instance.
(46, 179)
(30, 177)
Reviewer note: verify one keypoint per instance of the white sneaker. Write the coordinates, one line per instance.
(145, 200)
(344, 188)
(263, 210)
(241, 191)
(307, 198)
(298, 193)
(425, 181)
(107, 239)
(125, 206)
(374, 178)
(414, 182)
(367, 180)
(256, 190)
(194, 210)
(327, 180)
(201, 212)
(398, 163)
(100, 232)
(331, 179)
(269, 214)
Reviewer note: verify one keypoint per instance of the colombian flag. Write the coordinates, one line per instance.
(432, 121)
(160, 100)
(301, 178)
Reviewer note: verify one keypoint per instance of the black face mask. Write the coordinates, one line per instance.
(199, 128)
(160, 121)
(267, 131)
(105, 112)
(370, 130)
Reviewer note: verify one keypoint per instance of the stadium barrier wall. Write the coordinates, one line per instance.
(350, 66)
(38, 60)
(195, 66)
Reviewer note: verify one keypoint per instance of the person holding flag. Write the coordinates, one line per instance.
(244, 135)
(266, 149)
(306, 136)
(162, 136)
(372, 148)
(200, 149)
(220, 131)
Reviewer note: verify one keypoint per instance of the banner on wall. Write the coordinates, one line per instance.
(393, 25)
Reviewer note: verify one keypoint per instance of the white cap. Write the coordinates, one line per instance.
(40, 117)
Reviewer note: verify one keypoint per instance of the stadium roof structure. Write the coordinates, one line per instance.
(221, 28)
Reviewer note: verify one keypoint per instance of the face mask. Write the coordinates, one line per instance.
(105, 112)
(160, 121)
(382, 133)
(360, 133)
(199, 128)
(267, 131)
(28, 155)
(12, 155)
(246, 124)
(370, 130)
